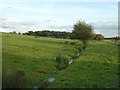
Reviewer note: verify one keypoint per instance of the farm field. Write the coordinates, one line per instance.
(96, 67)
(36, 57)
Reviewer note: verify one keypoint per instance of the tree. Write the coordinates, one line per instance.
(30, 33)
(83, 31)
(14, 32)
(19, 33)
(98, 37)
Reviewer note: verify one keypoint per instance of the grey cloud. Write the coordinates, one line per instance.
(29, 23)
(49, 20)
(10, 7)
(107, 28)
(106, 25)
(5, 27)
(67, 28)
(12, 24)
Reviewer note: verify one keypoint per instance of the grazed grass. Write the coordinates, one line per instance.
(97, 67)
(34, 56)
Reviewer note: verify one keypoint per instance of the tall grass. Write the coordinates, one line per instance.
(62, 61)
(14, 80)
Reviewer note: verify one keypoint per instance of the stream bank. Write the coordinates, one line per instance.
(46, 82)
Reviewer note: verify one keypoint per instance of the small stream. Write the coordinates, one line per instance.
(46, 80)
(75, 56)
(52, 78)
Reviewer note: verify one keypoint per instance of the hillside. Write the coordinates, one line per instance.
(96, 67)
(36, 57)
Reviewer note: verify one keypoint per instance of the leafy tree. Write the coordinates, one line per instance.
(19, 33)
(30, 33)
(98, 37)
(14, 32)
(83, 31)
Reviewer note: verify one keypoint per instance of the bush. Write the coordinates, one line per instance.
(63, 59)
(73, 43)
(66, 42)
(61, 66)
(99, 37)
(14, 80)
(35, 36)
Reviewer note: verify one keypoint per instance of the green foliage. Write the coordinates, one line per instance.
(83, 31)
(47, 33)
(61, 66)
(63, 59)
(14, 32)
(66, 42)
(35, 36)
(62, 62)
(73, 42)
(19, 33)
(14, 80)
(99, 37)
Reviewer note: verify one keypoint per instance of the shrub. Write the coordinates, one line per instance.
(63, 59)
(61, 66)
(7, 35)
(73, 43)
(14, 80)
(66, 42)
(99, 37)
(35, 36)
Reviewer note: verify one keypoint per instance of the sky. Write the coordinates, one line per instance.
(58, 16)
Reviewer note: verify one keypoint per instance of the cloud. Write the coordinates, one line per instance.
(2, 30)
(22, 8)
(67, 28)
(106, 25)
(49, 21)
(11, 24)
(107, 28)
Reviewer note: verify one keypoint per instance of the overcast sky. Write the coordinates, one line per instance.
(59, 16)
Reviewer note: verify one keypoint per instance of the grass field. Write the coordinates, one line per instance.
(97, 66)
(34, 56)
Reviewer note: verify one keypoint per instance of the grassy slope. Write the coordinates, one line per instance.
(35, 56)
(97, 66)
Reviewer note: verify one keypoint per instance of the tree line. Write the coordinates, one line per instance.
(47, 33)
(58, 34)
(81, 31)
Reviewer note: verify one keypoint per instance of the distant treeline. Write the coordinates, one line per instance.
(65, 35)
(112, 38)
(53, 34)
